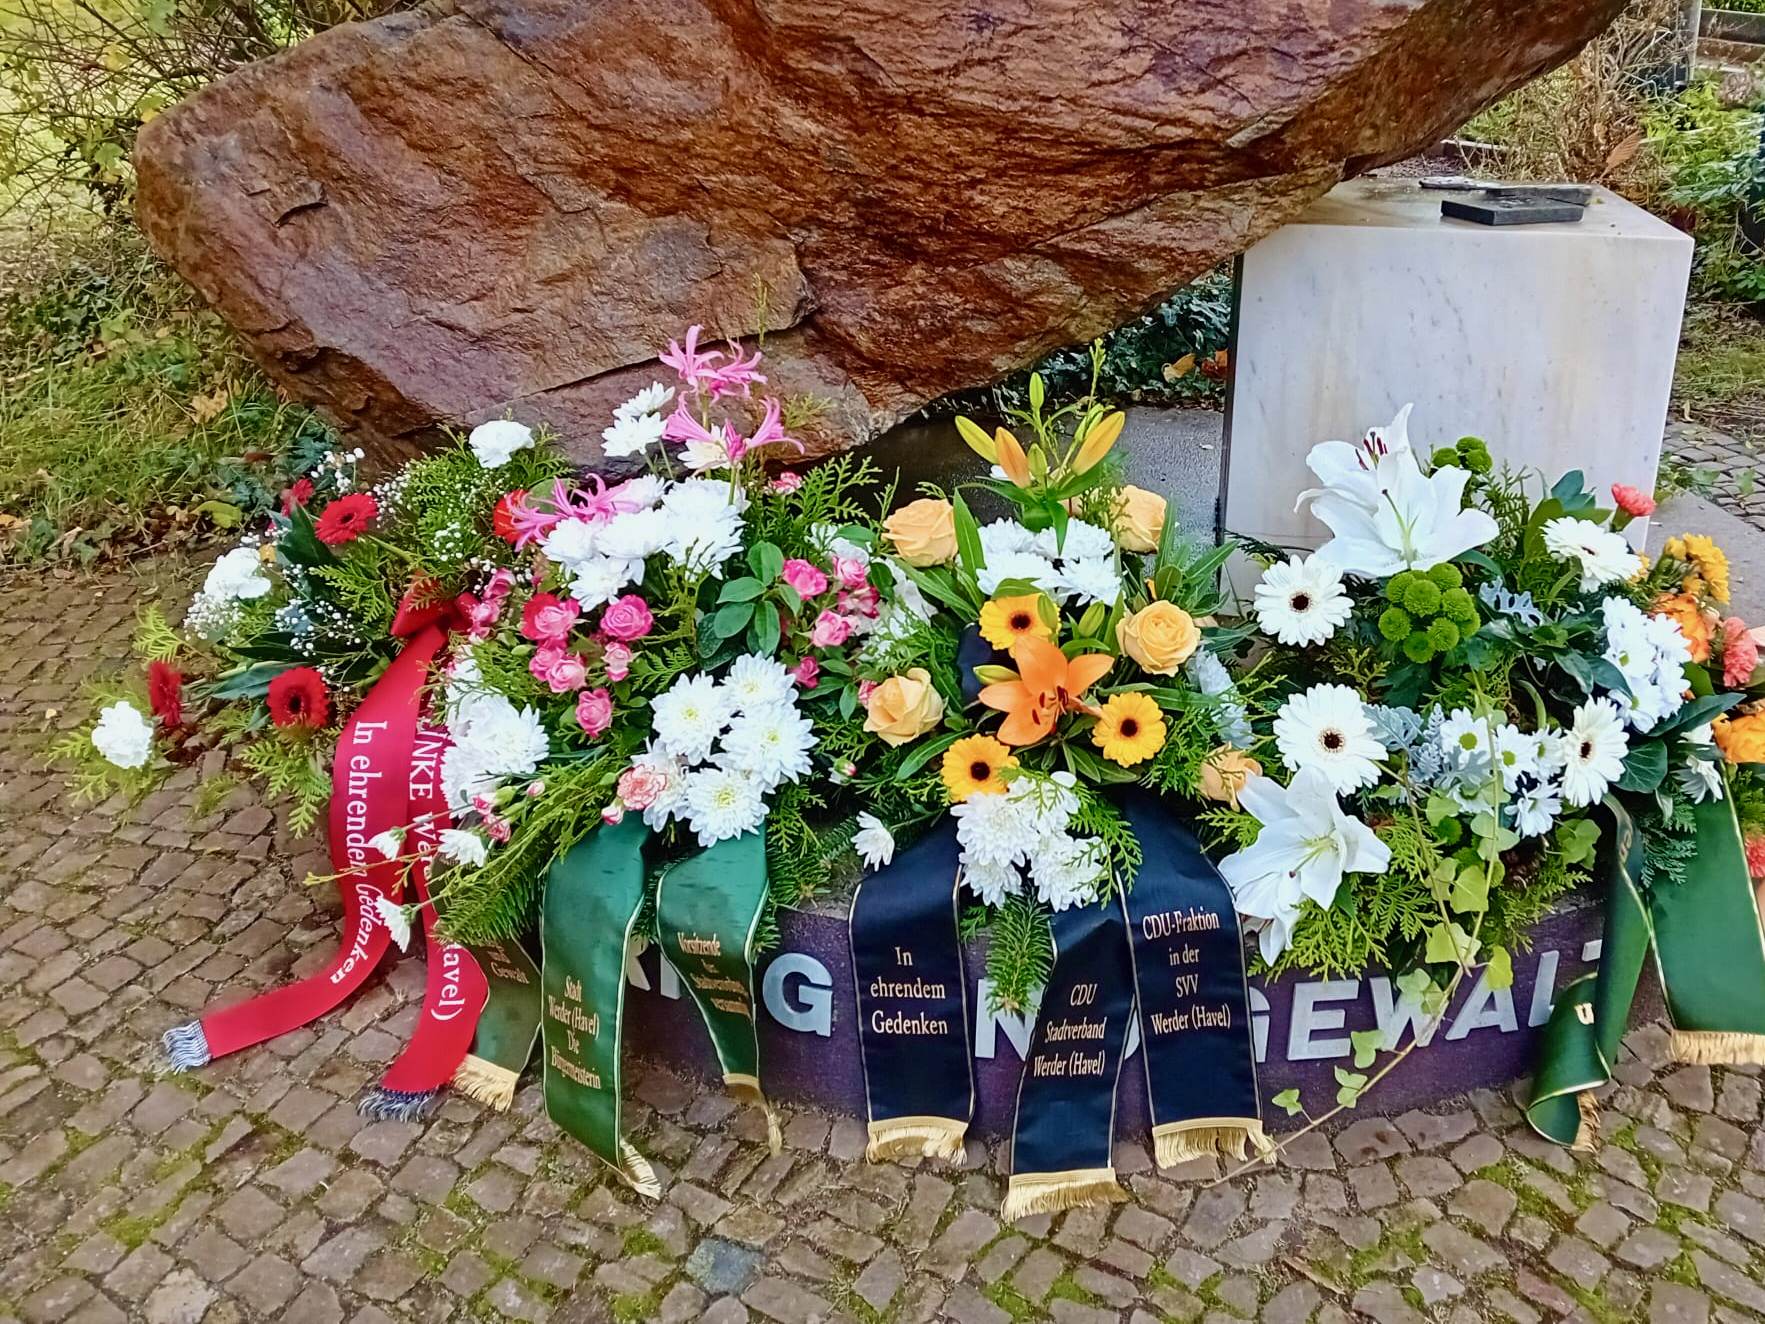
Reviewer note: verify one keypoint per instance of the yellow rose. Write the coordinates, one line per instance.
(1225, 772)
(1742, 739)
(1160, 637)
(1139, 520)
(903, 707)
(923, 531)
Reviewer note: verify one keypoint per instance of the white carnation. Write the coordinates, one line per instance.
(123, 736)
(495, 442)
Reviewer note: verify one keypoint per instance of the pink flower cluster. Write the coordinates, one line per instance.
(831, 626)
(481, 612)
(714, 373)
(548, 619)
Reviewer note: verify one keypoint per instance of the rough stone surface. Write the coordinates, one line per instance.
(508, 205)
(238, 1194)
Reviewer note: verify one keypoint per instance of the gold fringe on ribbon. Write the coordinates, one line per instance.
(481, 1079)
(1587, 1131)
(746, 1089)
(1718, 1047)
(1033, 1193)
(1204, 1137)
(638, 1173)
(922, 1137)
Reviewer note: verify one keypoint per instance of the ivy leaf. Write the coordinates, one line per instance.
(1470, 891)
(1644, 767)
(1500, 971)
(1352, 1083)
(1449, 943)
(1288, 1099)
(1577, 840)
(1367, 1044)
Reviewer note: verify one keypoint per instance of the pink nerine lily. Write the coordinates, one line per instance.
(695, 368)
(771, 429)
(736, 375)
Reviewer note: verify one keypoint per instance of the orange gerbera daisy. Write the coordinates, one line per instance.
(1048, 685)
(972, 766)
(1006, 620)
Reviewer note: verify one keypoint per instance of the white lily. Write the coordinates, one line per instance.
(1305, 847)
(1387, 514)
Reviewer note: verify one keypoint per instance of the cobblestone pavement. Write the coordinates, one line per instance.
(252, 1190)
(1731, 467)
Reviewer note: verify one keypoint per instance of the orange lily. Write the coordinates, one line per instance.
(1048, 685)
(1008, 453)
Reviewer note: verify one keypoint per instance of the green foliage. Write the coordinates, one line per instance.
(1020, 956)
(155, 640)
(292, 768)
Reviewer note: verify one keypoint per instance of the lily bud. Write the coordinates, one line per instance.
(1098, 441)
(1010, 457)
(978, 440)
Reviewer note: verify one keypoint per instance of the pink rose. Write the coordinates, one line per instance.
(627, 618)
(560, 670)
(865, 601)
(500, 585)
(865, 689)
(830, 630)
(498, 828)
(480, 615)
(852, 571)
(786, 482)
(1633, 500)
(618, 659)
(809, 581)
(807, 673)
(547, 619)
(641, 785)
(594, 711)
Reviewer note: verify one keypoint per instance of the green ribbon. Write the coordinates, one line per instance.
(502, 1045)
(1709, 954)
(708, 907)
(592, 899)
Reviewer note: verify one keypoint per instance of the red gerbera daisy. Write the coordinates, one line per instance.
(298, 697)
(297, 495)
(502, 519)
(346, 518)
(165, 693)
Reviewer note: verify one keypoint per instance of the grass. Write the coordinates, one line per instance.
(128, 414)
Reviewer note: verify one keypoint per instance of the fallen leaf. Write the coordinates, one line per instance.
(206, 407)
(1181, 368)
(1624, 151)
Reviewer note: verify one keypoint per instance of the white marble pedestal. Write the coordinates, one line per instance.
(1553, 343)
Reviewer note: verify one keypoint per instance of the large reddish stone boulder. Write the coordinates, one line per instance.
(507, 206)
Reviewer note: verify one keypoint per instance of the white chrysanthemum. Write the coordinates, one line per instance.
(1091, 581)
(397, 922)
(236, 576)
(704, 525)
(689, 716)
(598, 581)
(1067, 870)
(992, 830)
(123, 736)
(389, 843)
(641, 492)
(1038, 570)
(1651, 653)
(1327, 728)
(1005, 537)
(1047, 802)
(1302, 602)
(1593, 747)
(634, 535)
(771, 744)
(754, 682)
(1604, 556)
(462, 847)
(495, 442)
(572, 542)
(873, 842)
(723, 803)
(632, 434)
(492, 740)
(992, 883)
(1536, 809)
(1083, 542)
(647, 401)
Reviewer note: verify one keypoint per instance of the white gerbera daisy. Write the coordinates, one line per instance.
(1327, 728)
(873, 842)
(1593, 750)
(1302, 602)
(723, 803)
(123, 736)
(756, 682)
(1514, 755)
(1465, 738)
(1604, 556)
(771, 744)
(689, 716)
